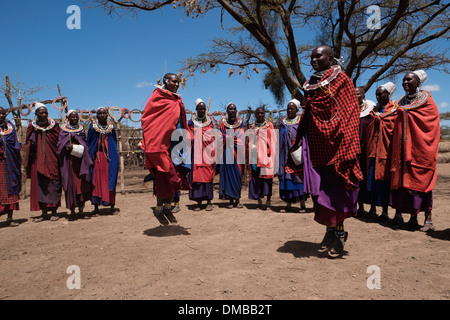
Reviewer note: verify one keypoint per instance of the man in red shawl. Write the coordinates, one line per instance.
(41, 162)
(329, 136)
(163, 114)
(415, 152)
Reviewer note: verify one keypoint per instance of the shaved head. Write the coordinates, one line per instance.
(322, 58)
(326, 49)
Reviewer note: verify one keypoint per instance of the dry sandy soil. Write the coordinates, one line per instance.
(240, 254)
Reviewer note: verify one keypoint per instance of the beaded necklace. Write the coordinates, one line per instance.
(331, 77)
(3, 134)
(291, 122)
(199, 122)
(8, 130)
(385, 114)
(102, 129)
(416, 102)
(262, 125)
(51, 124)
(68, 128)
(232, 126)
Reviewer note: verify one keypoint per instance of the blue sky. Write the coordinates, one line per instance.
(114, 61)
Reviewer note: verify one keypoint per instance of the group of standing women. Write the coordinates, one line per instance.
(57, 158)
(399, 143)
(260, 152)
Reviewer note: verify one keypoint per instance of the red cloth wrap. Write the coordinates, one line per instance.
(159, 120)
(266, 145)
(203, 164)
(378, 141)
(48, 167)
(333, 129)
(415, 147)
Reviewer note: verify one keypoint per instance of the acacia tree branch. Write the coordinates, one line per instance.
(401, 52)
(289, 33)
(146, 5)
(375, 41)
(261, 35)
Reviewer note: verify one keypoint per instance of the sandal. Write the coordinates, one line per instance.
(360, 213)
(40, 219)
(176, 208)
(337, 246)
(170, 216)
(239, 204)
(83, 216)
(12, 224)
(159, 215)
(326, 241)
(371, 215)
(428, 226)
(412, 225)
(383, 217)
(303, 208)
(209, 207)
(397, 220)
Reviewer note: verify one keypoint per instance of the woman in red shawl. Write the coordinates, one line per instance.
(75, 164)
(163, 114)
(415, 152)
(203, 170)
(329, 136)
(10, 174)
(262, 149)
(379, 151)
(41, 162)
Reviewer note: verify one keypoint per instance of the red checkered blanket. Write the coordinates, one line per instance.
(331, 116)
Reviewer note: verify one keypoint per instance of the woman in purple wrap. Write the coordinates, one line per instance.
(75, 163)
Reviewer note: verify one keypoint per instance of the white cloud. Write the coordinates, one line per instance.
(144, 84)
(444, 105)
(431, 87)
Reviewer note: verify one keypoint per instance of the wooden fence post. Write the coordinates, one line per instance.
(122, 164)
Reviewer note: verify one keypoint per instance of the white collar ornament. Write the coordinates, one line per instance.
(51, 124)
(291, 122)
(200, 124)
(334, 74)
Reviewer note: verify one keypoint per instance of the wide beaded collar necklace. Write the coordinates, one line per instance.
(51, 124)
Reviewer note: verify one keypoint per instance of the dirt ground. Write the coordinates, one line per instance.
(239, 254)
